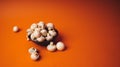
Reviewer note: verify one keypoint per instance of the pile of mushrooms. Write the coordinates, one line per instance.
(41, 32)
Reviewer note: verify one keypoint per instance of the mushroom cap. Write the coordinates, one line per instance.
(32, 50)
(35, 56)
(60, 46)
(33, 26)
(51, 47)
(50, 25)
(15, 28)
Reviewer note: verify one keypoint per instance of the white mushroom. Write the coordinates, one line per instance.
(52, 32)
(50, 26)
(60, 46)
(51, 47)
(15, 28)
(41, 25)
(32, 50)
(33, 26)
(34, 56)
(32, 36)
(43, 32)
(37, 29)
(29, 30)
(36, 34)
(41, 39)
(49, 37)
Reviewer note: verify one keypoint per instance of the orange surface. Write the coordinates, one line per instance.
(89, 29)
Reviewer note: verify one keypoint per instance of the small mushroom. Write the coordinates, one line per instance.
(43, 32)
(51, 47)
(34, 56)
(37, 34)
(33, 26)
(29, 30)
(50, 26)
(37, 29)
(60, 46)
(41, 39)
(49, 37)
(15, 28)
(32, 36)
(52, 32)
(41, 25)
(32, 50)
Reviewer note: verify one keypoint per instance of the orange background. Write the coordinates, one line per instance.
(89, 29)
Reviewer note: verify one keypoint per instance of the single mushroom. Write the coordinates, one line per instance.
(50, 26)
(35, 56)
(33, 26)
(43, 32)
(51, 47)
(52, 32)
(32, 50)
(49, 37)
(60, 46)
(41, 25)
(15, 28)
(41, 39)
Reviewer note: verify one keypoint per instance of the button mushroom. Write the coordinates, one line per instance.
(51, 47)
(32, 50)
(60, 46)
(35, 56)
(15, 28)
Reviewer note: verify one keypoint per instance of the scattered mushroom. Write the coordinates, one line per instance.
(32, 50)
(15, 28)
(51, 47)
(60, 46)
(35, 56)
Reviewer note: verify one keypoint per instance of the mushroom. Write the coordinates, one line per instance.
(15, 28)
(34, 56)
(33, 26)
(51, 47)
(50, 26)
(41, 25)
(60, 46)
(32, 36)
(32, 50)
(43, 32)
(49, 37)
(52, 32)
(36, 34)
(37, 29)
(41, 39)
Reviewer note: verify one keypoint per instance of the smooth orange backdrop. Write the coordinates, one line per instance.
(89, 29)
